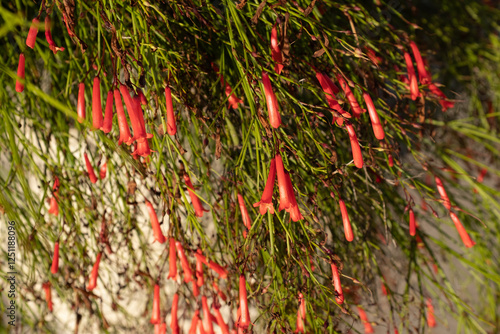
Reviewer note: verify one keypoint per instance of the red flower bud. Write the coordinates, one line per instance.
(349, 236)
(199, 270)
(20, 73)
(220, 320)
(431, 320)
(442, 193)
(48, 295)
(31, 39)
(445, 105)
(378, 130)
(275, 51)
(94, 274)
(103, 170)
(172, 259)
(125, 136)
(55, 260)
(194, 322)
(461, 231)
(414, 92)
(356, 109)
(171, 125)
(48, 37)
(330, 90)
(80, 107)
(266, 201)
(107, 124)
(413, 226)
(212, 265)
(207, 321)
(54, 206)
(244, 215)
(356, 150)
(154, 223)
(195, 200)
(364, 320)
(339, 295)
(97, 120)
(285, 197)
(423, 75)
(271, 101)
(155, 317)
(174, 324)
(90, 169)
(188, 274)
(244, 320)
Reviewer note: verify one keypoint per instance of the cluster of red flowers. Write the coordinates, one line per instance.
(287, 199)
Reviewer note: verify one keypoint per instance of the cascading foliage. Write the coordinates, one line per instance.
(311, 166)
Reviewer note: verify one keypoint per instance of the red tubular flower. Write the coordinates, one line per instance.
(266, 201)
(378, 130)
(194, 322)
(31, 39)
(302, 306)
(212, 265)
(330, 90)
(103, 170)
(20, 73)
(125, 136)
(97, 120)
(442, 193)
(196, 289)
(220, 320)
(55, 260)
(142, 97)
(461, 230)
(275, 51)
(107, 124)
(48, 295)
(54, 206)
(80, 107)
(413, 226)
(356, 149)
(48, 37)
(285, 197)
(90, 169)
(171, 125)
(391, 161)
(207, 321)
(188, 274)
(347, 223)
(221, 294)
(199, 270)
(356, 109)
(154, 223)
(431, 320)
(195, 200)
(174, 324)
(339, 295)
(161, 328)
(294, 210)
(423, 75)
(271, 101)
(364, 320)
(445, 105)
(384, 289)
(414, 92)
(140, 114)
(373, 56)
(94, 274)
(155, 317)
(300, 323)
(135, 121)
(244, 215)
(244, 319)
(481, 175)
(172, 259)
(232, 98)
